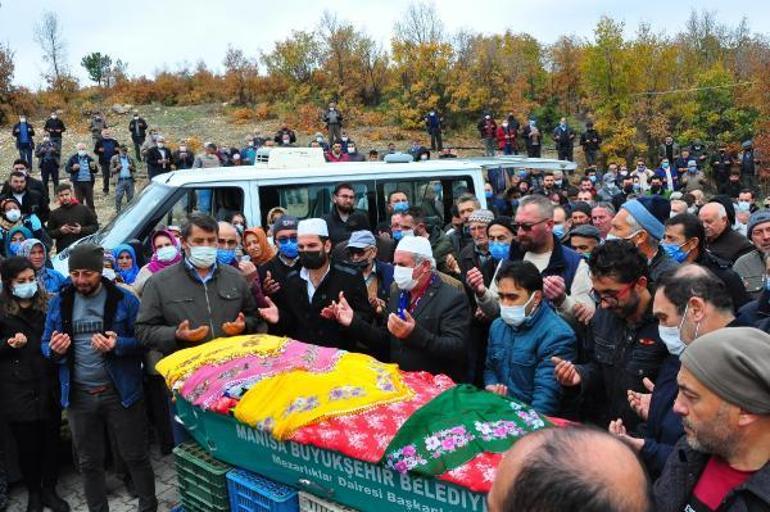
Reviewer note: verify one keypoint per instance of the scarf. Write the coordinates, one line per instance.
(25, 250)
(128, 275)
(19, 228)
(267, 252)
(155, 265)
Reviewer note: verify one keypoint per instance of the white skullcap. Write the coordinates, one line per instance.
(416, 245)
(312, 227)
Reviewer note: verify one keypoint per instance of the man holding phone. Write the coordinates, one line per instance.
(71, 221)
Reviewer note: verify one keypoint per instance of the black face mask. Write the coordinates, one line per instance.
(312, 260)
(359, 265)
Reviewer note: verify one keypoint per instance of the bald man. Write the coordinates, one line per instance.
(557, 469)
(720, 237)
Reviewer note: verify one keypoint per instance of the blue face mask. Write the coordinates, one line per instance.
(14, 247)
(592, 178)
(288, 248)
(675, 252)
(25, 290)
(398, 235)
(665, 165)
(401, 207)
(499, 250)
(523, 174)
(585, 255)
(438, 188)
(558, 231)
(489, 194)
(225, 256)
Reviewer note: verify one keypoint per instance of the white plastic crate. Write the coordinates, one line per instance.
(311, 503)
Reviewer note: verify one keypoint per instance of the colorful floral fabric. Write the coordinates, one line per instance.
(176, 367)
(455, 427)
(285, 402)
(365, 436)
(211, 382)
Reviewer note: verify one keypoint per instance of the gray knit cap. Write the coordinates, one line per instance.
(734, 363)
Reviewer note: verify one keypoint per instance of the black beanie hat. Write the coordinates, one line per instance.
(86, 256)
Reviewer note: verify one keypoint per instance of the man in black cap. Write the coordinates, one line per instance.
(286, 259)
(584, 239)
(580, 213)
(723, 462)
(89, 333)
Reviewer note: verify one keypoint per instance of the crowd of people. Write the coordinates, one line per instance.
(633, 301)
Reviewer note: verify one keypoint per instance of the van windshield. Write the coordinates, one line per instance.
(131, 218)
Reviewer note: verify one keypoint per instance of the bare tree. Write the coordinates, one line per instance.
(420, 24)
(48, 36)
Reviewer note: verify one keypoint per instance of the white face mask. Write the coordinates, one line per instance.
(166, 253)
(109, 274)
(203, 256)
(671, 338)
(515, 315)
(161, 145)
(182, 149)
(13, 215)
(403, 277)
(81, 152)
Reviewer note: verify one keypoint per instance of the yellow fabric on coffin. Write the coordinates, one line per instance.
(289, 401)
(182, 363)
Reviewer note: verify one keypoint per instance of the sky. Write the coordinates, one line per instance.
(153, 35)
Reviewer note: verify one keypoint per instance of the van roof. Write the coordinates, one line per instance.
(349, 170)
(343, 170)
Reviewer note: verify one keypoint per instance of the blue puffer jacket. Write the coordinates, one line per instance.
(520, 357)
(124, 362)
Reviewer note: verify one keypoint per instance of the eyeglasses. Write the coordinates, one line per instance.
(527, 227)
(611, 297)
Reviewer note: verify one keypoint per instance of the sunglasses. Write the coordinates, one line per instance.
(527, 226)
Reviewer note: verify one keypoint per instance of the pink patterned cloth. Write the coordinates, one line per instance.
(366, 436)
(210, 383)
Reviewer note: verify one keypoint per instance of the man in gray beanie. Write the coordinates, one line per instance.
(723, 461)
(751, 266)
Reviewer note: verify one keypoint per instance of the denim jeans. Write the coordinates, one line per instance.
(25, 153)
(88, 415)
(123, 187)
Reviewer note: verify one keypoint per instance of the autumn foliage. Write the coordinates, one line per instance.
(708, 81)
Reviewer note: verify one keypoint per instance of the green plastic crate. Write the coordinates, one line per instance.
(202, 479)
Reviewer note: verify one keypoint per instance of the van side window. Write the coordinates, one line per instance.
(216, 201)
(310, 200)
(434, 196)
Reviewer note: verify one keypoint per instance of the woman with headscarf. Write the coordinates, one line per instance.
(255, 244)
(28, 383)
(13, 240)
(166, 251)
(125, 258)
(11, 217)
(34, 250)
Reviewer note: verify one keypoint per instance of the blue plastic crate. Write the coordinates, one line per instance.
(250, 492)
